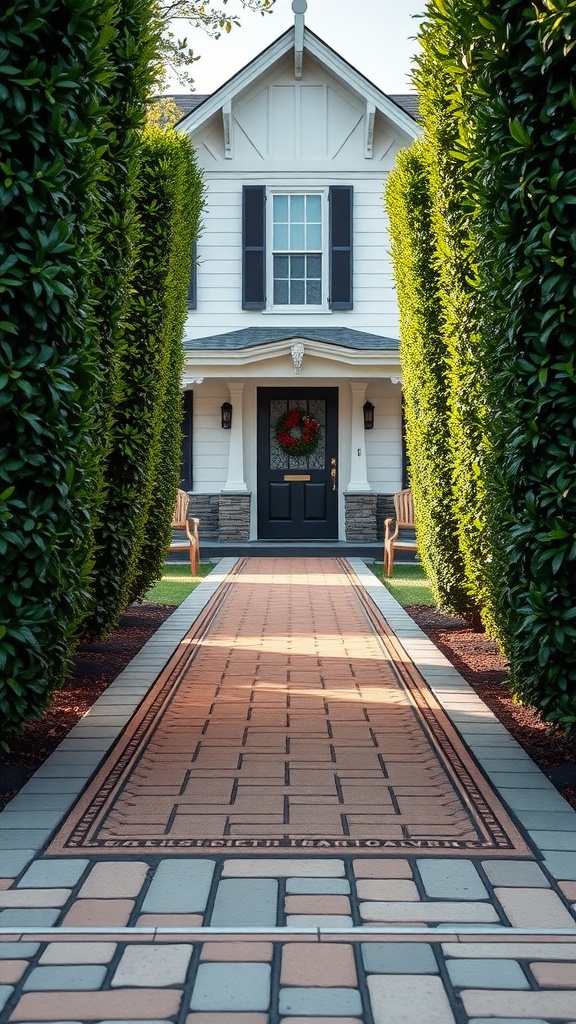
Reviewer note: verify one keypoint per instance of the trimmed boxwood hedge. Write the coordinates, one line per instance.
(525, 168)
(126, 393)
(445, 113)
(509, 69)
(424, 371)
(170, 200)
(53, 73)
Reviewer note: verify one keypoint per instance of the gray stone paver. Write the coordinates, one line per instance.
(16, 950)
(404, 999)
(458, 880)
(402, 978)
(555, 840)
(336, 1002)
(5, 993)
(317, 886)
(487, 974)
(65, 978)
(151, 966)
(225, 986)
(46, 874)
(561, 864)
(399, 958)
(514, 873)
(179, 887)
(245, 901)
(28, 918)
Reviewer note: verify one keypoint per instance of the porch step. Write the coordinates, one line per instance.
(286, 548)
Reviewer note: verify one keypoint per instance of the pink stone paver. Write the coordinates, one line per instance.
(325, 966)
(382, 869)
(568, 888)
(525, 907)
(114, 881)
(244, 952)
(554, 975)
(126, 1004)
(99, 913)
(78, 953)
(485, 1003)
(11, 971)
(317, 905)
(386, 889)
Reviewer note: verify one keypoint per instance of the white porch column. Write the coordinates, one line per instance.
(235, 480)
(358, 473)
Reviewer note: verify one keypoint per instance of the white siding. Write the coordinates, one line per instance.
(210, 443)
(287, 133)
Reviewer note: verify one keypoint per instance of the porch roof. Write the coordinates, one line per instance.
(251, 337)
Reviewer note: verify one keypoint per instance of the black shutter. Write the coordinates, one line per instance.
(341, 200)
(191, 300)
(253, 247)
(186, 476)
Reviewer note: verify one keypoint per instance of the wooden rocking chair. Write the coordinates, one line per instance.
(404, 508)
(180, 521)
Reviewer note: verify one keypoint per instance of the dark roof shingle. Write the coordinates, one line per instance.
(250, 337)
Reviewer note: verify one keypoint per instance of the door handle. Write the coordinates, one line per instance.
(333, 473)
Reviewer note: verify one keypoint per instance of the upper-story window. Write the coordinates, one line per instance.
(297, 249)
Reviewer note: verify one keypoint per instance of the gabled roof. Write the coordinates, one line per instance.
(187, 102)
(250, 337)
(325, 55)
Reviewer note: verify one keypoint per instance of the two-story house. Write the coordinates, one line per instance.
(293, 382)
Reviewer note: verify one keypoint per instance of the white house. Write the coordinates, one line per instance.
(292, 335)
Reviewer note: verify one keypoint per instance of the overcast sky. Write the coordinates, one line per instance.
(376, 36)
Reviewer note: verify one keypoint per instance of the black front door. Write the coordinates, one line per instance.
(298, 493)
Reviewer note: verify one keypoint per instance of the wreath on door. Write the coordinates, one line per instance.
(298, 433)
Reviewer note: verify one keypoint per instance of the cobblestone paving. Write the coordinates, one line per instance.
(399, 937)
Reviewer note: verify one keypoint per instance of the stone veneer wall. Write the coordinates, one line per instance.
(360, 512)
(384, 510)
(234, 517)
(206, 508)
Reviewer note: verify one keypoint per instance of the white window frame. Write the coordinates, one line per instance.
(323, 192)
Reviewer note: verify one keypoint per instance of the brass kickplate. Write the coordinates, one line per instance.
(296, 477)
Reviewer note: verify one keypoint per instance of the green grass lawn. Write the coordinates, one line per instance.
(408, 584)
(176, 583)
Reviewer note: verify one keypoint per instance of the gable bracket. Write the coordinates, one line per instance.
(227, 125)
(299, 8)
(370, 118)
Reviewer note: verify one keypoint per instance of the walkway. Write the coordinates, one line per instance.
(288, 809)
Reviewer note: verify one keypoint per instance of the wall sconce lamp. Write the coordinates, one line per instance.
(368, 415)
(226, 410)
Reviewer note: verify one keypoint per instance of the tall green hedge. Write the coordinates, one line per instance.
(52, 75)
(525, 169)
(123, 402)
(425, 370)
(510, 71)
(170, 201)
(445, 107)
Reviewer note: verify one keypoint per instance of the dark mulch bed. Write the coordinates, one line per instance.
(477, 658)
(97, 665)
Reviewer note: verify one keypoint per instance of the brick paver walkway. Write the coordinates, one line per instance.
(293, 829)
